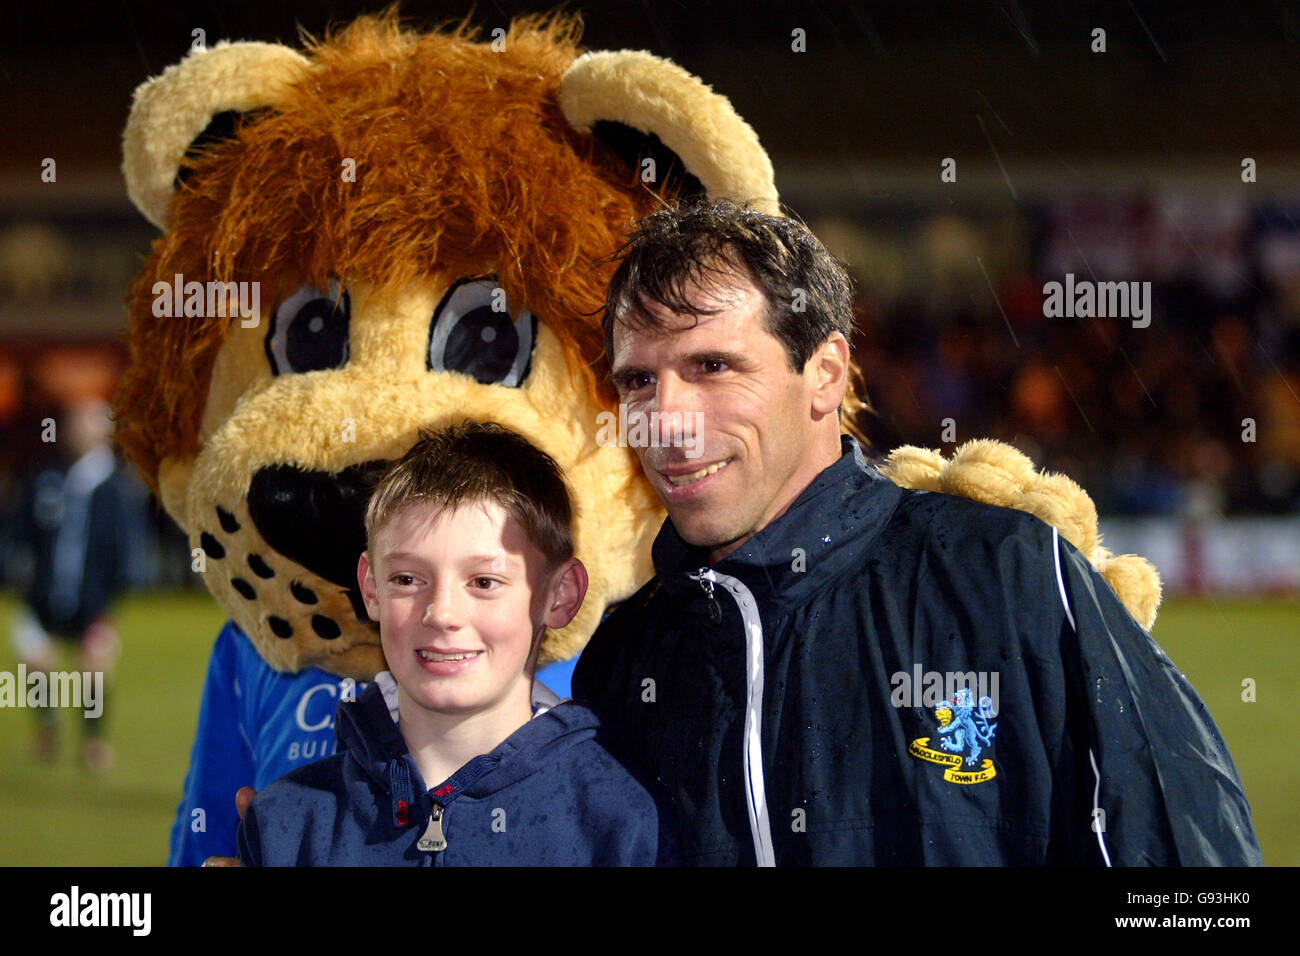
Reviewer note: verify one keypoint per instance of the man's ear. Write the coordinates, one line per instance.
(369, 590)
(829, 368)
(567, 591)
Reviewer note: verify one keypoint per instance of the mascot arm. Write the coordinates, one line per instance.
(221, 762)
(998, 474)
(1164, 790)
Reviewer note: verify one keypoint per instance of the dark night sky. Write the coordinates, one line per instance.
(880, 83)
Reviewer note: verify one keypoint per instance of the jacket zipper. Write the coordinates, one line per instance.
(433, 840)
(760, 826)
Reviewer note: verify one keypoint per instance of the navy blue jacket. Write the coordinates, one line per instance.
(805, 700)
(550, 795)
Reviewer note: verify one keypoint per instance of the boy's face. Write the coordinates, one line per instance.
(462, 598)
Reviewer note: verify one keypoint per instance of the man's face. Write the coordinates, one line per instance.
(460, 597)
(727, 373)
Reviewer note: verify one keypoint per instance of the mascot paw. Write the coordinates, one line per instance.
(1137, 582)
(997, 474)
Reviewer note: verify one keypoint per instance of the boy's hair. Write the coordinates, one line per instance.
(480, 461)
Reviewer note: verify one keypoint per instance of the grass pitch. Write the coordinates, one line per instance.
(57, 814)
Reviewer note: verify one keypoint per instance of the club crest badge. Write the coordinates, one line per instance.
(965, 732)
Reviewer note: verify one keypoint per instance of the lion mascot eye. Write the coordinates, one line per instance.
(473, 332)
(309, 331)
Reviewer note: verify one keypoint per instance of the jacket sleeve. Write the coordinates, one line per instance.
(1166, 790)
(220, 763)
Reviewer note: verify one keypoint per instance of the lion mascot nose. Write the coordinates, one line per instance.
(316, 519)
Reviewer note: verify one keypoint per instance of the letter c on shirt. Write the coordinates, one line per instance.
(301, 714)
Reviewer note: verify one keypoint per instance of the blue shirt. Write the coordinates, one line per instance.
(255, 725)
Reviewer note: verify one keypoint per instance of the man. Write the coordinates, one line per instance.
(758, 675)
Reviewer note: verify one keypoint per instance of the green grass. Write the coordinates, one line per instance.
(1219, 643)
(59, 815)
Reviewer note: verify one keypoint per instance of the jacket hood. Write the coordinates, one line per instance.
(833, 522)
(366, 728)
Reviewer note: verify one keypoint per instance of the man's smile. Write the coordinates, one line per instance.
(679, 478)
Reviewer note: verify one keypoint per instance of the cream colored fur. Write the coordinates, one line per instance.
(170, 110)
(999, 474)
(652, 95)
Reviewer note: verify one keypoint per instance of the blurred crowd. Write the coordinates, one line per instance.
(1196, 414)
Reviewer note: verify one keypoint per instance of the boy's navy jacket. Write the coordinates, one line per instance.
(550, 795)
(808, 703)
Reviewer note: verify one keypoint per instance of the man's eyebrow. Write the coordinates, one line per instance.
(621, 377)
(715, 355)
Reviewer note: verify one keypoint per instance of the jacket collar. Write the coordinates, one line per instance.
(367, 731)
(830, 525)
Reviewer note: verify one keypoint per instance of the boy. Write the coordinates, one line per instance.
(469, 559)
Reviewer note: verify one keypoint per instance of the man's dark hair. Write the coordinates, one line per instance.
(480, 462)
(809, 295)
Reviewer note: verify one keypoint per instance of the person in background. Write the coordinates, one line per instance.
(76, 533)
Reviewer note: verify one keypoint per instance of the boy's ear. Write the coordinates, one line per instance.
(366, 579)
(568, 589)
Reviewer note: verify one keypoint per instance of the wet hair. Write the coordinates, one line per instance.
(809, 295)
(480, 462)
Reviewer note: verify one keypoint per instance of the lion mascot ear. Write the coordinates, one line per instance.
(193, 102)
(647, 109)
